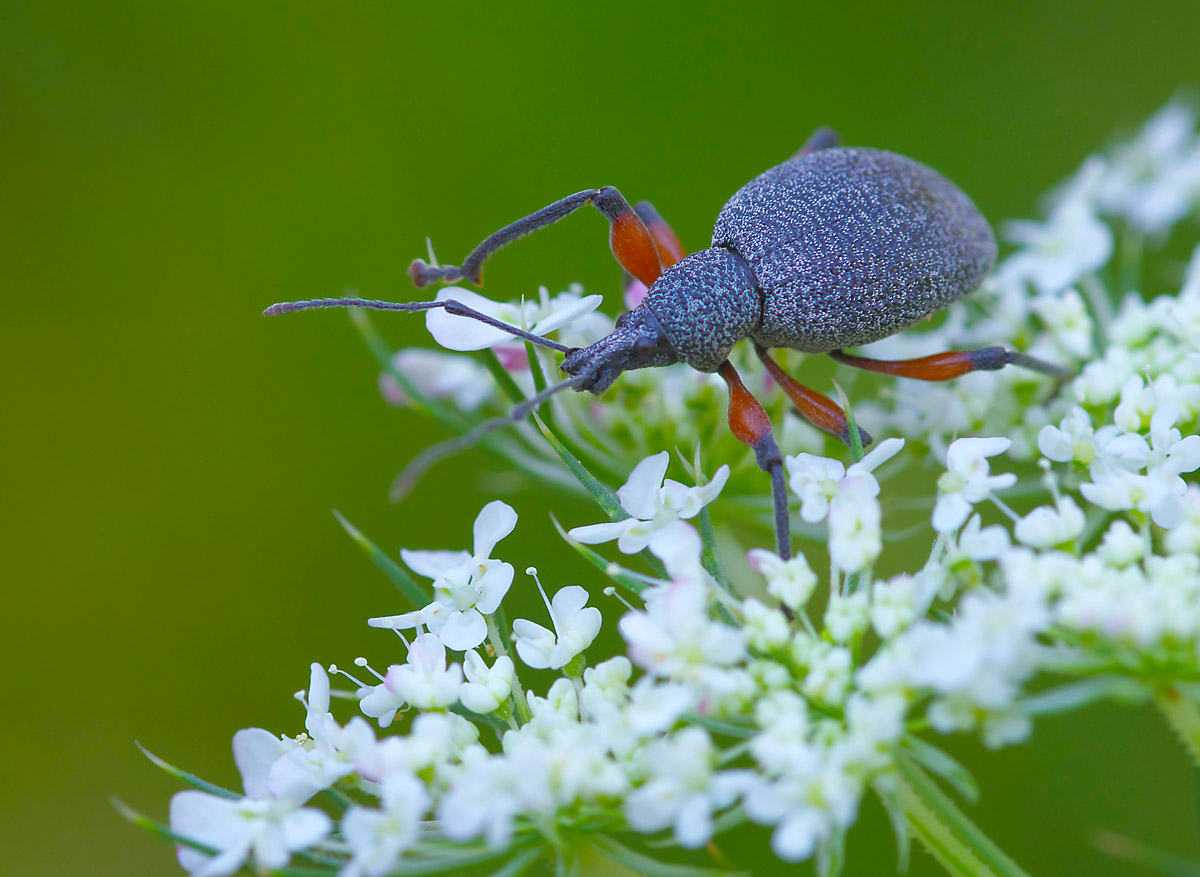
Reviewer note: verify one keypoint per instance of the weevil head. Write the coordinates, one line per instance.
(638, 341)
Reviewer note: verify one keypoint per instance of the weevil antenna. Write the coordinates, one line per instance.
(451, 306)
(425, 460)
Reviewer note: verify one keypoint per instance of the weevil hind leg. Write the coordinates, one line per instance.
(952, 364)
(817, 408)
(822, 138)
(750, 425)
(630, 240)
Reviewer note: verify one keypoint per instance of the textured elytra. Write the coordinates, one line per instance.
(849, 245)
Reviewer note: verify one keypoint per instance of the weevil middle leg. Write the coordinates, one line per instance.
(750, 425)
(817, 408)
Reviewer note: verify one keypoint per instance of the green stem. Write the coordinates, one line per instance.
(945, 831)
(498, 641)
(1183, 716)
(1101, 305)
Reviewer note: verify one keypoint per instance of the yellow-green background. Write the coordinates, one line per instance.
(169, 563)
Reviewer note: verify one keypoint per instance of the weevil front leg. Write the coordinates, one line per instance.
(750, 425)
(817, 408)
(952, 364)
(631, 242)
(670, 250)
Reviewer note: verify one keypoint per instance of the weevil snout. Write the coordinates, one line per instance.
(637, 342)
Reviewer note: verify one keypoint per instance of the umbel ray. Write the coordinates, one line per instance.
(832, 249)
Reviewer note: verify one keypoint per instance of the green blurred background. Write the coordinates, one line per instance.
(170, 565)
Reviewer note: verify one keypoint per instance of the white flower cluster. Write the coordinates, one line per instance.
(742, 696)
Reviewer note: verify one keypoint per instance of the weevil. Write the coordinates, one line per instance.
(832, 249)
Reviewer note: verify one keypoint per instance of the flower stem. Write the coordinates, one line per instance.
(945, 831)
(518, 693)
(1183, 716)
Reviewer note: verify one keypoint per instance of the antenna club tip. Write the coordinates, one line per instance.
(276, 309)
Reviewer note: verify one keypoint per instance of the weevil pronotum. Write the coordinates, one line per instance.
(833, 249)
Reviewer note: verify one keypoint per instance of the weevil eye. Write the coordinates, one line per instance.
(645, 343)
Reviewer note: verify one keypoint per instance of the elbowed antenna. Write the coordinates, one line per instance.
(451, 306)
(427, 458)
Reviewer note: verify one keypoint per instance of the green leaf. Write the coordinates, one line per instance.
(727, 729)
(155, 827)
(856, 448)
(501, 376)
(895, 811)
(941, 764)
(417, 595)
(831, 854)
(519, 864)
(190, 779)
(650, 867)
(1151, 858)
(604, 497)
(598, 561)
(946, 832)
(1076, 694)
(711, 559)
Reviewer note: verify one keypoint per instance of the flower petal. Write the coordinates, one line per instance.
(494, 522)
(567, 602)
(640, 494)
(465, 333)
(463, 630)
(433, 564)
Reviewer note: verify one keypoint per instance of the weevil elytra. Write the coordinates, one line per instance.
(834, 248)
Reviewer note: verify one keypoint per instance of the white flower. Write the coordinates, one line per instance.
(829, 669)
(1075, 439)
(651, 504)
(329, 753)
(675, 637)
(1046, 527)
(1154, 180)
(486, 687)
(681, 789)
(438, 375)
(490, 790)
(1072, 242)
(255, 750)
(855, 532)
(377, 837)
(575, 626)
(425, 681)
(1066, 316)
(789, 581)
(967, 480)
(1121, 546)
(763, 628)
(466, 586)
(817, 480)
(900, 601)
(847, 616)
(269, 830)
(465, 333)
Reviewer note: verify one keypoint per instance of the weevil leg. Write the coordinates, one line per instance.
(750, 425)
(631, 241)
(670, 250)
(822, 138)
(817, 408)
(952, 364)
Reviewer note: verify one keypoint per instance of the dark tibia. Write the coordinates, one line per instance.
(822, 138)
(451, 307)
(952, 364)
(750, 425)
(817, 408)
(630, 240)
